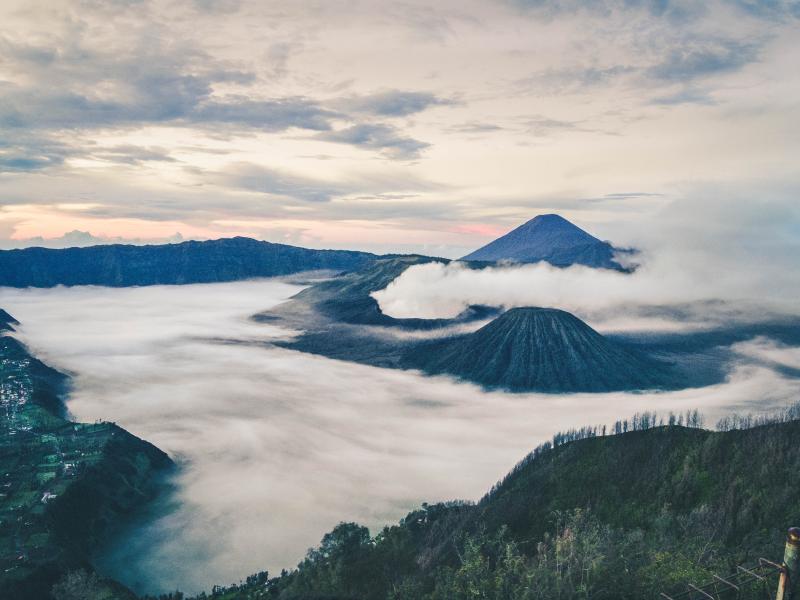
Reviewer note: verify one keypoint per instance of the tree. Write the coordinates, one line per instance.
(80, 585)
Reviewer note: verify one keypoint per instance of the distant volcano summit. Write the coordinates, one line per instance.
(553, 239)
(542, 349)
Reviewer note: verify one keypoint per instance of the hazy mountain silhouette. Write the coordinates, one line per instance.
(553, 239)
(119, 265)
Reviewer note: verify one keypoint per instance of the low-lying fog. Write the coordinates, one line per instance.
(698, 249)
(277, 446)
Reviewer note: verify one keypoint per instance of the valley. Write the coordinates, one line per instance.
(282, 451)
(378, 300)
(624, 516)
(340, 318)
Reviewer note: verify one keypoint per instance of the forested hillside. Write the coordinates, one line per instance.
(63, 485)
(605, 517)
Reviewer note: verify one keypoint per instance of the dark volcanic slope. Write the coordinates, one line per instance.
(340, 319)
(549, 238)
(541, 349)
(189, 262)
(7, 322)
(348, 298)
(522, 350)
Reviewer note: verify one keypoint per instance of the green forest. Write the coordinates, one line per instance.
(63, 485)
(631, 514)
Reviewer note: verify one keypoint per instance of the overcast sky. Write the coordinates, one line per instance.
(384, 125)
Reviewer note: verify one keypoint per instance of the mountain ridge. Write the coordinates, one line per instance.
(122, 265)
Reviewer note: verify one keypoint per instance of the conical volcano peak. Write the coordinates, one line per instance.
(551, 219)
(550, 238)
(533, 329)
(543, 349)
(533, 310)
(524, 313)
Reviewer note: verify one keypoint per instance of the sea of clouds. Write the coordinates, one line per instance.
(276, 446)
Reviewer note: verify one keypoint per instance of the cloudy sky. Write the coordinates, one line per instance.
(392, 125)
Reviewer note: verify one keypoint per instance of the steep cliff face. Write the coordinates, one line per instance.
(126, 476)
(65, 485)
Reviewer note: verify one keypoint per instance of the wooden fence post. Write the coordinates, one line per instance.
(787, 584)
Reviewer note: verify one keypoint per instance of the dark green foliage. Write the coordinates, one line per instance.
(45, 385)
(7, 322)
(84, 585)
(188, 262)
(340, 565)
(588, 516)
(108, 490)
(63, 486)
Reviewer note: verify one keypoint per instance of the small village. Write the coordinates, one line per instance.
(40, 456)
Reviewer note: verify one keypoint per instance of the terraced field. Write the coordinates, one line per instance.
(63, 485)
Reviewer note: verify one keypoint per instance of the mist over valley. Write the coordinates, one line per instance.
(462, 300)
(271, 442)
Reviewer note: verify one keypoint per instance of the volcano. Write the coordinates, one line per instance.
(553, 239)
(542, 349)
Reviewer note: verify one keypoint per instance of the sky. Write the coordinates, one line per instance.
(392, 126)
